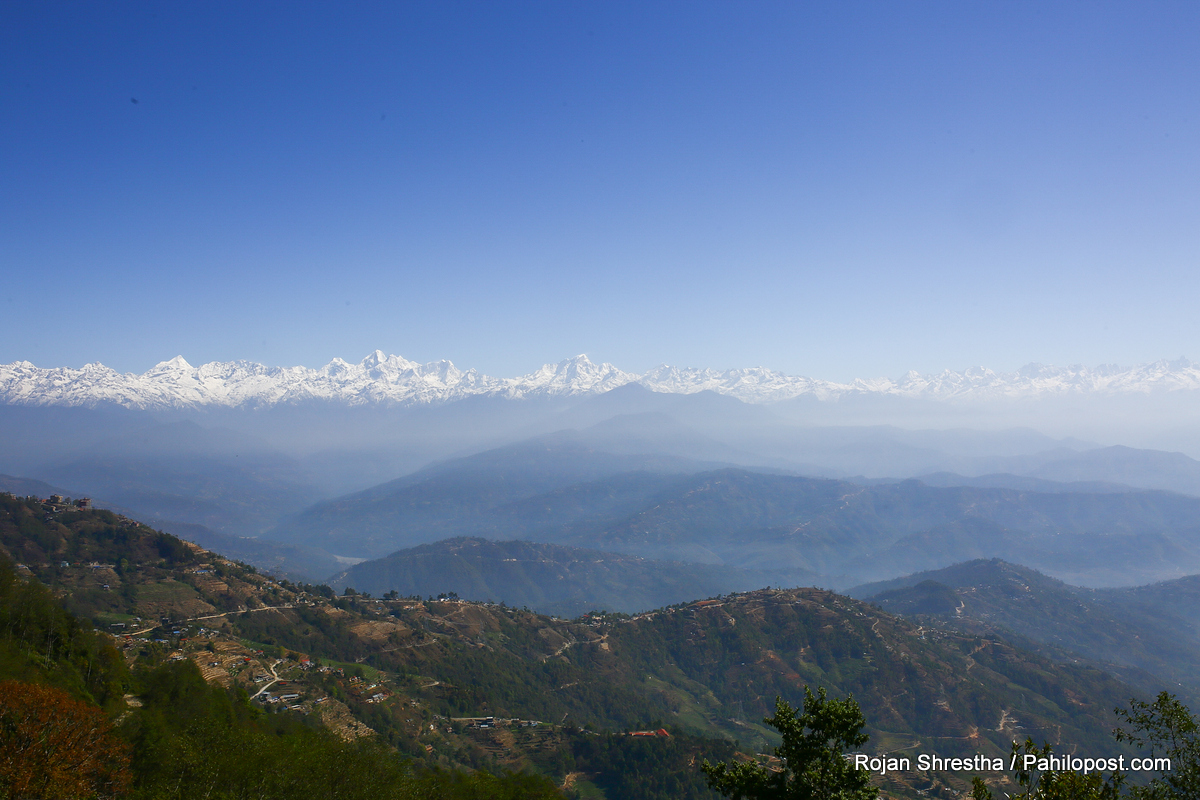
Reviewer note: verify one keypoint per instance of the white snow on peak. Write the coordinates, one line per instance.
(178, 362)
(571, 377)
(393, 380)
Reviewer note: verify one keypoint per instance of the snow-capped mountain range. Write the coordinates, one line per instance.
(393, 380)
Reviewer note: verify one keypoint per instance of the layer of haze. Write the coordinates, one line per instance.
(831, 189)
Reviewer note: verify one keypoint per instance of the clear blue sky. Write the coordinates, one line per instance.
(833, 189)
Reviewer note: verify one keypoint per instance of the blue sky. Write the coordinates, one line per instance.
(832, 189)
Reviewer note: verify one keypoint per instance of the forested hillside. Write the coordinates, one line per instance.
(1149, 634)
(79, 720)
(462, 685)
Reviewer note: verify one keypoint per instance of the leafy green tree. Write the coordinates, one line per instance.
(1167, 729)
(1052, 785)
(814, 766)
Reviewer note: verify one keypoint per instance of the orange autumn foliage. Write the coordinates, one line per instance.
(54, 747)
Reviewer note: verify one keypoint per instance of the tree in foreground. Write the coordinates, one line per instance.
(1034, 784)
(812, 754)
(1167, 729)
(54, 746)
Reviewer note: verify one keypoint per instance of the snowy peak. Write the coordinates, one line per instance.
(571, 377)
(374, 359)
(393, 380)
(175, 364)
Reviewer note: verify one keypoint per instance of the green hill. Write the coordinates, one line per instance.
(1153, 629)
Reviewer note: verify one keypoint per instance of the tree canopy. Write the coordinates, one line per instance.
(52, 745)
(813, 765)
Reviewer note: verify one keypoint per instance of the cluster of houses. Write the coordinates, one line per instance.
(56, 502)
(372, 693)
(484, 723)
(93, 565)
(290, 700)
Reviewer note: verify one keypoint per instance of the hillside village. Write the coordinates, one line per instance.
(483, 686)
(163, 600)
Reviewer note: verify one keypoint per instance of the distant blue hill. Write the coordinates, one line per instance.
(566, 581)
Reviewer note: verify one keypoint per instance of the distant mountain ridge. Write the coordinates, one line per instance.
(394, 380)
(554, 579)
(557, 490)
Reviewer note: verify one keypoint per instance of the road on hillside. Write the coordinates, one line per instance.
(215, 616)
(270, 683)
